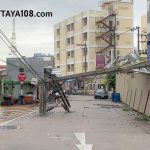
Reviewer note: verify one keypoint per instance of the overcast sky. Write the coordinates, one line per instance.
(36, 34)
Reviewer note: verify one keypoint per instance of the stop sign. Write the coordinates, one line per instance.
(21, 76)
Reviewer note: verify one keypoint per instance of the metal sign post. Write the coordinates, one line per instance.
(21, 83)
(21, 78)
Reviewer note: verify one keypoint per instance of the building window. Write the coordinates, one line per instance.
(58, 66)
(58, 56)
(58, 44)
(110, 23)
(93, 86)
(68, 41)
(72, 54)
(72, 26)
(85, 36)
(118, 52)
(68, 68)
(72, 40)
(85, 65)
(90, 86)
(68, 27)
(21, 69)
(118, 37)
(110, 53)
(84, 21)
(84, 51)
(117, 22)
(72, 67)
(68, 54)
(58, 31)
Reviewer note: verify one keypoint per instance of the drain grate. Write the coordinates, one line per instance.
(13, 127)
(108, 106)
(90, 108)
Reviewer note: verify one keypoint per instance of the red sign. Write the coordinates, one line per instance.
(100, 60)
(21, 77)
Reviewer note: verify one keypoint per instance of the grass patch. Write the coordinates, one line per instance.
(126, 108)
(143, 118)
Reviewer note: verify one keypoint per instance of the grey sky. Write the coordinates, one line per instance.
(36, 34)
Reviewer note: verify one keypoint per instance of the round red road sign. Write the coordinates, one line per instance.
(21, 76)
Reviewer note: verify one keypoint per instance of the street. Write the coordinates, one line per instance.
(11, 113)
(91, 125)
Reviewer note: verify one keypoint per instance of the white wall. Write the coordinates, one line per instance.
(134, 89)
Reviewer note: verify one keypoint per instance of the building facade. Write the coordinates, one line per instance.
(12, 84)
(38, 62)
(79, 29)
(2, 78)
(79, 39)
(114, 37)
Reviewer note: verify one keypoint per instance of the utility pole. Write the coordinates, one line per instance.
(138, 37)
(115, 37)
(43, 92)
(85, 54)
(42, 100)
(84, 50)
(143, 41)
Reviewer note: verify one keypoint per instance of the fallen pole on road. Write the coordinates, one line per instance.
(107, 71)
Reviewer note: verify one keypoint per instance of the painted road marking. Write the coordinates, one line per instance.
(23, 116)
(81, 139)
(13, 112)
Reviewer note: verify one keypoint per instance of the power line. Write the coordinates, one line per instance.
(15, 53)
(27, 65)
(12, 46)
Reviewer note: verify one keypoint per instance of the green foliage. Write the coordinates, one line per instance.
(126, 108)
(111, 80)
(143, 118)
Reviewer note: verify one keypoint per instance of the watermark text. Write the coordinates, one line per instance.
(24, 13)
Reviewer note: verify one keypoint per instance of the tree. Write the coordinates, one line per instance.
(111, 81)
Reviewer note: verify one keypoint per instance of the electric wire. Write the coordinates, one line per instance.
(16, 51)
(16, 54)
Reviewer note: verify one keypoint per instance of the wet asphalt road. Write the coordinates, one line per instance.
(105, 126)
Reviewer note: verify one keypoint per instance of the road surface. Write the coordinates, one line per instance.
(8, 113)
(92, 125)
